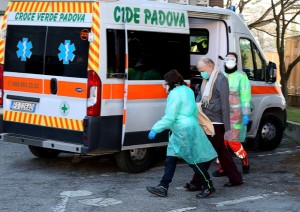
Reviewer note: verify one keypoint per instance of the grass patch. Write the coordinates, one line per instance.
(293, 114)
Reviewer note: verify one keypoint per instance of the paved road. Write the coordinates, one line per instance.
(68, 184)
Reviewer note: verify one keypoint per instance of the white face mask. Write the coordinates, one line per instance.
(230, 64)
(166, 87)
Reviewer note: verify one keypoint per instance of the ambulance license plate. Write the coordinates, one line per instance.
(23, 106)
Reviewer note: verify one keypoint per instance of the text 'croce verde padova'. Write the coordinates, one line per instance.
(49, 17)
(135, 15)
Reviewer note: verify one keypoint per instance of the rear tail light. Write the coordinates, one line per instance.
(1, 84)
(94, 94)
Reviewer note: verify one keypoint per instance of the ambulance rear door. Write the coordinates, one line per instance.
(45, 78)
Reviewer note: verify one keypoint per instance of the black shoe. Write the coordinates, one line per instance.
(229, 184)
(206, 193)
(192, 187)
(246, 169)
(158, 190)
(219, 173)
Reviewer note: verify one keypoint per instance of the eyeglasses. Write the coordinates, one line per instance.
(226, 59)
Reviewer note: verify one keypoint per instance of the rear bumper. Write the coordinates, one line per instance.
(45, 143)
(101, 135)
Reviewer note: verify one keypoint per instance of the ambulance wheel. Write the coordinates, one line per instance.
(135, 160)
(41, 152)
(269, 133)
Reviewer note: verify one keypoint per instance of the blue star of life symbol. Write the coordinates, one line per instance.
(24, 49)
(66, 52)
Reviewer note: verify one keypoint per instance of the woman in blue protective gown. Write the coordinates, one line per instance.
(187, 139)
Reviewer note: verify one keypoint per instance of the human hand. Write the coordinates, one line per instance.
(246, 119)
(152, 135)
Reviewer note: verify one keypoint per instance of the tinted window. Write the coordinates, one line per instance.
(260, 72)
(66, 52)
(199, 41)
(115, 53)
(252, 61)
(151, 54)
(25, 49)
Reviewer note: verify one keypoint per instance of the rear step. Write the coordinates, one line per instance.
(45, 143)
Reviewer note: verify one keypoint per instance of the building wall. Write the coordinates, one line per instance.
(219, 3)
(292, 51)
(273, 56)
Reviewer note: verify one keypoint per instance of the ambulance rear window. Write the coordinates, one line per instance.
(24, 52)
(66, 52)
(57, 51)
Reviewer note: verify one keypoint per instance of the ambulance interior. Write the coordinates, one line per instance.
(152, 54)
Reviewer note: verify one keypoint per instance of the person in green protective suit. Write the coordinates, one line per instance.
(239, 102)
(187, 139)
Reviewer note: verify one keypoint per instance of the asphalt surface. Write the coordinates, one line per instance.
(74, 183)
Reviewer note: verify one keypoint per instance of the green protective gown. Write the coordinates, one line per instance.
(187, 140)
(239, 100)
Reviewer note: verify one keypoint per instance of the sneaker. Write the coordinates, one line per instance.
(192, 187)
(219, 173)
(206, 193)
(158, 190)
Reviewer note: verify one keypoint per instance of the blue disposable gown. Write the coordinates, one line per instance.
(187, 140)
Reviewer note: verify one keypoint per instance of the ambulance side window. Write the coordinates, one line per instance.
(115, 53)
(199, 41)
(150, 54)
(252, 61)
(66, 52)
(24, 52)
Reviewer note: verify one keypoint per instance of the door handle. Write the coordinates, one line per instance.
(53, 86)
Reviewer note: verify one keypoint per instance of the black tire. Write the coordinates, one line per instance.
(269, 134)
(134, 161)
(41, 152)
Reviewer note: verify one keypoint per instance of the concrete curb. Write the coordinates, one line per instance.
(292, 131)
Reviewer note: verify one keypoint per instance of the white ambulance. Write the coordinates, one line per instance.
(86, 77)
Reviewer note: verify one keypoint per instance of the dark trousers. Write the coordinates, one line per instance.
(199, 169)
(225, 158)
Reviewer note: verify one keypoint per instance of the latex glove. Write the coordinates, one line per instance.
(246, 119)
(152, 135)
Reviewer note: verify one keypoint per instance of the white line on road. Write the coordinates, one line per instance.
(100, 202)
(280, 153)
(244, 199)
(65, 195)
(183, 209)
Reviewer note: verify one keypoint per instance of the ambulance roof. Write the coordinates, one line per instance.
(193, 11)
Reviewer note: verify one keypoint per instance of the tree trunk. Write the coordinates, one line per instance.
(284, 88)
